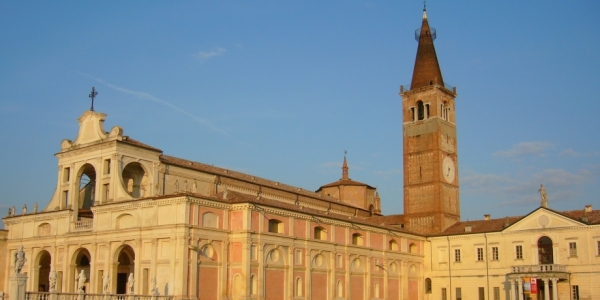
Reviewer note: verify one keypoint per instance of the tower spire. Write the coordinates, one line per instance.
(427, 69)
(345, 168)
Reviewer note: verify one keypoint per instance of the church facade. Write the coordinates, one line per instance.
(137, 221)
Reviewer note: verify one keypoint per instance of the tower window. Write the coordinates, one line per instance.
(412, 114)
(420, 110)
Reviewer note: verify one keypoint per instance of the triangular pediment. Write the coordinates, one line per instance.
(543, 218)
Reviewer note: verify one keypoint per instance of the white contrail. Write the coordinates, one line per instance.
(147, 96)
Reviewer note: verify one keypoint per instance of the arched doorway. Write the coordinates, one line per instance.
(125, 266)
(81, 261)
(87, 186)
(545, 251)
(43, 271)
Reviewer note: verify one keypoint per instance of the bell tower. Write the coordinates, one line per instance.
(431, 198)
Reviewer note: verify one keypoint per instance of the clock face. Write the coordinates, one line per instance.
(448, 169)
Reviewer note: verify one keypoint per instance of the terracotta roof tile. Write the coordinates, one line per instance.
(345, 182)
(131, 141)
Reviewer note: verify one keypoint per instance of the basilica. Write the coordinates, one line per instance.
(136, 221)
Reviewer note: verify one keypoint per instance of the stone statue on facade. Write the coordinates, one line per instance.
(105, 283)
(154, 287)
(543, 195)
(52, 279)
(24, 209)
(81, 278)
(13, 211)
(19, 260)
(130, 282)
(35, 208)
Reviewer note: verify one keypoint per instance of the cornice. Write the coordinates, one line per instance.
(37, 217)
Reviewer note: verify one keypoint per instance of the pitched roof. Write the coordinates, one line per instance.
(497, 225)
(427, 69)
(131, 141)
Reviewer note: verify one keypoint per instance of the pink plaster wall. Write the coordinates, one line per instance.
(377, 241)
(208, 283)
(236, 252)
(413, 289)
(255, 221)
(237, 220)
(357, 288)
(340, 235)
(300, 228)
(274, 284)
(393, 289)
(318, 287)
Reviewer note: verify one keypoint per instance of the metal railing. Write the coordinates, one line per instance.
(539, 269)
(76, 296)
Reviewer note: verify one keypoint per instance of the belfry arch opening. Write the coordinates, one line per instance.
(545, 251)
(87, 186)
(135, 180)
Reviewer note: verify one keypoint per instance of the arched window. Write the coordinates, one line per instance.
(275, 226)
(253, 284)
(210, 220)
(412, 248)
(320, 233)
(427, 285)
(376, 290)
(545, 251)
(357, 239)
(299, 287)
(420, 110)
(340, 289)
(393, 245)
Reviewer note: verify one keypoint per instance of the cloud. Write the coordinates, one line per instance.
(522, 190)
(525, 149)
(203, 56)
(572, 153)
(150, 97)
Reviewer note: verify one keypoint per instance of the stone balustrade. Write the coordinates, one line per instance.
(539, 268)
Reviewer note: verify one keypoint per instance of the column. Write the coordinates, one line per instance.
(554, 288)
(546, 289)
(520, 288)
(512, 290)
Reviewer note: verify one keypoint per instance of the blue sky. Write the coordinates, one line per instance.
(279, 89)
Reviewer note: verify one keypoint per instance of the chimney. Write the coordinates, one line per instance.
(486, 217)
(588, 208)
(467, 228)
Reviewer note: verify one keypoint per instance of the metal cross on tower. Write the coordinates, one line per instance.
(93, 95)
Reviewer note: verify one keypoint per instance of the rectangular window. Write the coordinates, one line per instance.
(479, 254)
(519, 252)
(495, 253)
(599, 248)
(66, 174)
(66, 198)
(340, 262)
(496, 293)
(573, 249)
(105, 190)
(458, 294)
(456, 255)
(298, 257)
(575, 292)
(444, 294)
(481, 292)
(253, 252)
(107, 166)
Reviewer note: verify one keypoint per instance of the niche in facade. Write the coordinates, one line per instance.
(135, 180)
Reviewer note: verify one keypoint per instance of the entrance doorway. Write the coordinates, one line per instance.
(125, 267)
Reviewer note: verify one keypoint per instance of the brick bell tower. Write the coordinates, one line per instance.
(431, 198)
